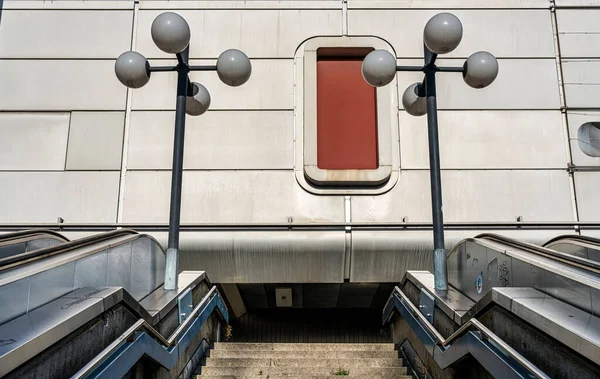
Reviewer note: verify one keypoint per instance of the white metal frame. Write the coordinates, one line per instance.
(322, 181)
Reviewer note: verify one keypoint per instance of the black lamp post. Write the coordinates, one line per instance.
(442, 34)
(171, 33)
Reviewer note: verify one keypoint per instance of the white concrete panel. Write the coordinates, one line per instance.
(486, 139)
(579, 32)
(60, 85)
(95, 141)
(582, 83)
(473, 196)
(227, 197)
(267, 33)
(586, 187)
(33, 141)
(237, 4)
(214, 140)
(446, 4)
(68, 4)
(44, 196)
(65, 34)
(504, 33)
(521, 84)
(575, 120)
(269, 87)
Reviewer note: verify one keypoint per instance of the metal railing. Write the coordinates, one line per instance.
(570, 259)
(31, 256)
(159, 227)
(507, 363)
(141, 338)
(31, 234)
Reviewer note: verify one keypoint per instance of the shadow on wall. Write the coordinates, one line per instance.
(1, 7)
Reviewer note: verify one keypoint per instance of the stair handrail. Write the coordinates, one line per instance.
(445, 344)
(31, 256)
(573, 260)
(107, 359)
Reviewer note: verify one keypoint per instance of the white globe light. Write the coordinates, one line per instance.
(480, 69)
(132, 69)
(443, 33)
(234, 67)
(414, 104)
(379, 68)
(199, 102)
(170, 32)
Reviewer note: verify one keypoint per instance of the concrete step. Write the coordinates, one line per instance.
(304, 346)
(370, 372)
(302, 362)
(347, 354)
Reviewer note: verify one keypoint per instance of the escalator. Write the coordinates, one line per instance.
(580, 246)
(513, 309)
(65, 304)
(28, 240)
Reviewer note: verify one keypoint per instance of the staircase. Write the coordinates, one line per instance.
(302, 360)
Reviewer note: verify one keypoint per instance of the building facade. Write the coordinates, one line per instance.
(76, 144)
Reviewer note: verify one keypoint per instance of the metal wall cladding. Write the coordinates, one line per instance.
(269, 88)
(44, 196)
(521, 84)
(91, 271)
(215, 140)
(586, 186)
(55, 85)
(576, 119)
(260, 33)
(33, 141)
(504, 33)
(386, 256)
(95, 141)
(228, 197)
(59, 34)
(486, 139)
(14, 300)
(473, 195)
(582, 79)
(579, 32)
(263, 257)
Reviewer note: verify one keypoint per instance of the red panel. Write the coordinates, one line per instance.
(346, 116)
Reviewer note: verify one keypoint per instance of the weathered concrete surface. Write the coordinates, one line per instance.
(304, 346)
(301, 354)
(425, 363)
(548, 354)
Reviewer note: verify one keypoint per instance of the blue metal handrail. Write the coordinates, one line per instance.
(501, 360)
(142, 339)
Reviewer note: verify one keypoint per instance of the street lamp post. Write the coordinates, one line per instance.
(442, 35)
(171, 33)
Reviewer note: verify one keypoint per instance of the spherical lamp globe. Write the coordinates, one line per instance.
(480, 69)
(170, 32)
(443, 33)
(234, 67)
(132, 69)
(379, 68)
(413, 103)
(199, 102)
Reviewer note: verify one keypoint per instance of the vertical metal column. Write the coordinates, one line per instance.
(440, 270)
(172, 266)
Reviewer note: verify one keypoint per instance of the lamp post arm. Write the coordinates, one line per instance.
(163, 68)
